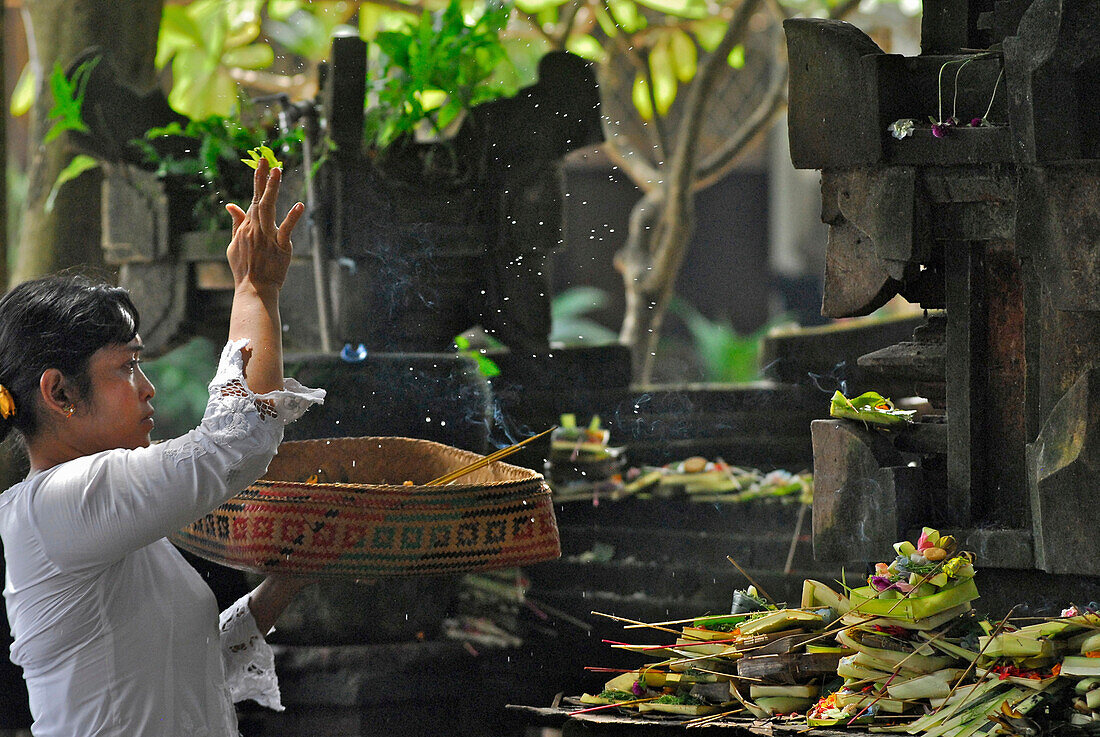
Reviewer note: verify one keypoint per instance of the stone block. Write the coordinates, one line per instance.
(135, 216)
(1058, 225)
(1052, 68)
(1064, 479)
(832, 112)
(865, 496)
(878, 235)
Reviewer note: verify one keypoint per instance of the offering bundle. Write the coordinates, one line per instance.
(756, 660)
(582, 454)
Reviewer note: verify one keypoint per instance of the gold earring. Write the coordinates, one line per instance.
(69, 410)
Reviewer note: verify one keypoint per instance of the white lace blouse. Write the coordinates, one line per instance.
(116, 634)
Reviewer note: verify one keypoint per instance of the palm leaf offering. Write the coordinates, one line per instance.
(260, 153)
(870, 407)
(903, 654)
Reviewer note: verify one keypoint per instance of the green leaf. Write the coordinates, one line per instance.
(262, 152)
(683, 55)
(664, 78)
(678, 8)
(870, 407)
(569, 326)
(80, 164)
(626, 15)
(22, 97)
(255, 56)
(178, 31)
(709, 32)
(737, 56)
(639, 95)
(200, 92)
(68, 96)
(537, 6)
(586, 46)
(281, 9)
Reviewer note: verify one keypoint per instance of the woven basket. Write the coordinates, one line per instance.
(339, 507)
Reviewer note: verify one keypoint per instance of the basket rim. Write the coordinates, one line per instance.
(526, 475)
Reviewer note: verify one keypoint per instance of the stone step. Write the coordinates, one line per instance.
(671, 581)
(756, 517)
(700, 550)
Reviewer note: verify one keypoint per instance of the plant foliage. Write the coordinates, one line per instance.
(435, 68)
(68, 99)
(207, 161)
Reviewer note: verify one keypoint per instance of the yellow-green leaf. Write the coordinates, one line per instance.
(737, 56)
(626, 15)
(79, 164)
(281, 9)
(664, 79)
(198, 94)
(254, 56)
(607, 23)
(259, 153)
(430, 99)
(370, 17)
(683, 55)
(537, 6)
(22, 97)
(178, 31)
(709, 32)
(587, 47)
(679, 8)
(639, 93)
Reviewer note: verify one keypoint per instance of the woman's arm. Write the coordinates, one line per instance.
(98, 508)
(259, 256)
(268, 600)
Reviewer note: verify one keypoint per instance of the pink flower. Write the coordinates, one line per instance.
(976, 123)
(939, 130)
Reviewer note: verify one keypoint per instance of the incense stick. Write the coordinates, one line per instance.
(996, 631)
(482, 462)
(794, 538)
(640, 624)
(610, 706)
(705, 617)
(754, 583)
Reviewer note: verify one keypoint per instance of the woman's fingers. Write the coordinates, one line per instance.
(259, 185)
(237, 214)
(269, 196)
(291, 219)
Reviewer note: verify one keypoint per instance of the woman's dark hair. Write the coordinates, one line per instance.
(57, 322)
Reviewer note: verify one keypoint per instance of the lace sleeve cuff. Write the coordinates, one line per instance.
(285, 405)
(249, 660)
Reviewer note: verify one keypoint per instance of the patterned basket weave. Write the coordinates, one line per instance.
(357, 518)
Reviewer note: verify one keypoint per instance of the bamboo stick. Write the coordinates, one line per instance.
(482, 462)
(636, 622)
(700, 721)
(754, 583)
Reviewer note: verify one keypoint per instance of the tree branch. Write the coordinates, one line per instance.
(719, 163)
(679, 200)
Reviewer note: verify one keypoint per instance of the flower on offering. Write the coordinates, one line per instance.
(922, 569)
(903, 128)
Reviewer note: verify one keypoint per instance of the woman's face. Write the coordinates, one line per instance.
(118, 413)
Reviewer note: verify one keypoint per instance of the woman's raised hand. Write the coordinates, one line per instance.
(259, 253)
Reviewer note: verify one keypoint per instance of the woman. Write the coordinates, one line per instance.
(115, 632)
